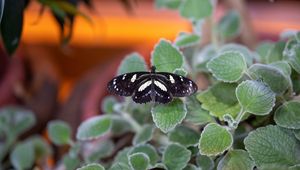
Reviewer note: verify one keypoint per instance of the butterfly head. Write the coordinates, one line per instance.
(153, 68)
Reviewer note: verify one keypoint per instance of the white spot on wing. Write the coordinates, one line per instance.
(133, 78)
(181, 78)
(144, 86)
(171, 79)
(160, 85)
(123, 78)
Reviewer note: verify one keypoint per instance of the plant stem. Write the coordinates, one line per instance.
(239, 117)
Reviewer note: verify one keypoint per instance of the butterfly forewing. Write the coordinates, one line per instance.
(179, 86)
(142, 93)
(125, 84)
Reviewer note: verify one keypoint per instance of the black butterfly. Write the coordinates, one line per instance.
(154, 86)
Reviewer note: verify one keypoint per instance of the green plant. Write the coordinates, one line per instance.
(248, 117)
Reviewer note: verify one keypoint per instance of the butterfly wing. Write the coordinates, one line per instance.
(148, 90)
(125, 84)
(179, 86)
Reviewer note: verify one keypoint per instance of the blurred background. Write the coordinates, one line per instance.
(69, 81)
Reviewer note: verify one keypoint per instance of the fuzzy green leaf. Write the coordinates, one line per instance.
(246, 53)
(186, 40)
(122, 156)
(288, 115)
(165, 57)
(292, 55)
(272, 76)
(149, 150)
(144, 135)
(272, 144)
(93, 127)
(220, 99)
(22, 156)
(15, 121)
(236, 159)
(184, 136)
(228, 66)
(229, 25)
(275, 53)
(139, 161)
(195, 113)
(59, 132)
(262, 49)
(108, 103)
(41, 147)
(100, 150)
(297, 133)
(195, 9)
(180, 71)
(176, 156)
(205, 162)
(202, 57)
(283, 66)
(166, 117)
(214, 140)
(120, 166)
(255, 97)
(131, 63)
(119, 125)
(191, 167)
(92, 166)
(70, 162)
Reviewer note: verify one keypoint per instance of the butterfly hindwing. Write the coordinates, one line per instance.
(179, 86)
(142, 93)
(162, 92)
(125, 84)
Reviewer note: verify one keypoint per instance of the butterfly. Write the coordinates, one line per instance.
(159, 87)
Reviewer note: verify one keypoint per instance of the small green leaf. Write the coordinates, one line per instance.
(93, 128)
(229, 25)
(122, 156)
(22, 156)
(166, 117)
(70, 162)
(149, 150)
(246, 53)
(144, 135)
(92, 166)
(262, 49)
(275, 53)
(12, 24)
(15, 121)
(288, 115)
(169, 4)
(272, 144)
(165, 57)
(205, 162)
(214, 140)
(108, 103)
(228, 66)
(186, 40)
(120, 166)
(202, 57)
(41, 148)
(119, 125)
(176, 156)
(195, 113)
(180, 71)
(255, 97)
(139, 161)
(275, 78)
(292, 55)
(191, 167)
(297, 133)
(59, 132)
(100, 150)
(283, 66)
(131, 63)
(184, 136)
(236, 159)
(220, 99)
(195, 9)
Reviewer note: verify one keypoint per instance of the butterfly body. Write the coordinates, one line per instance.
(154, 86)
